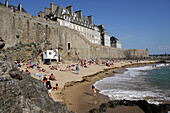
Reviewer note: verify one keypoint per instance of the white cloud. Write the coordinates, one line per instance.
(163, 47)
(160, 49)
(125, 37)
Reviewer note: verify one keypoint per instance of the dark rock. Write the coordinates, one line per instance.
(143, 104)
(103, 107)
(94, 111)
(111, 104)
(14, 73)
(2, 43)
(19, 92)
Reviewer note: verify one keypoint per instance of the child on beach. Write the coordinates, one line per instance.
(94, 91)
(56, 87)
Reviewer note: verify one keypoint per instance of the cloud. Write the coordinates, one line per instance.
(163, 47)
(126, 37)
(160, 49)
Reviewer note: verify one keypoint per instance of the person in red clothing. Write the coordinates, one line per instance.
(28, 71)
(52, 77)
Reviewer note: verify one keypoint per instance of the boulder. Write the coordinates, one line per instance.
(2, 43)
(19, 92)
(143, 104)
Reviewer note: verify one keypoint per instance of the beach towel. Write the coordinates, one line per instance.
(38, 75)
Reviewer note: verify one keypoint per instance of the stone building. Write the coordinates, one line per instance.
(27, 36)
(114, 42)
(15, 8)
(105, 37)
(74, 20)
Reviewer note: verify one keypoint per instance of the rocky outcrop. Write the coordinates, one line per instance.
(143, 104)
(19, 92)
(28, 51)
(2, 43)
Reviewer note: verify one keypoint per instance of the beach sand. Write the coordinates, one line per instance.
(75, 90)
(79, 98)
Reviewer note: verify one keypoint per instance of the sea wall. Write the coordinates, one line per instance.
(19, 29)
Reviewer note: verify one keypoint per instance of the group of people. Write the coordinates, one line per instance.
(48, 85)
(47, 80)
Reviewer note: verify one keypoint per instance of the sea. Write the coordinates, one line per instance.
(139, 83)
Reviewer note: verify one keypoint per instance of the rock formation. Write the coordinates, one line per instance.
(143, 104)
(2, 43)
(19, 92)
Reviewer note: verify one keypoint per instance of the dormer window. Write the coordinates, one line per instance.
(67, 11)
(63, 11)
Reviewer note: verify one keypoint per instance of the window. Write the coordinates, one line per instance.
(60, 22)
(68, 45)
(17, 36)
(49, 53)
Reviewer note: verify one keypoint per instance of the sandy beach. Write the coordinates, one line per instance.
(75, 90)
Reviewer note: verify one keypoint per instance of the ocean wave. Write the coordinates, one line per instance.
(151, 97)
(132, 85)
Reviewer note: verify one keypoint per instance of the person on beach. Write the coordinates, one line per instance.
(52, 77)
(56, 87)
(77, 68)
(48, 85)
(94, 91)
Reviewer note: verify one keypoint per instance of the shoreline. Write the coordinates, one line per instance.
(77, 94)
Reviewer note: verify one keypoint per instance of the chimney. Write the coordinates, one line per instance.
(79, 13)
(6, 3)
(90, 18)
(70, 9)
(53, 7)
(20, 7)
(41, 14)
(47, 11)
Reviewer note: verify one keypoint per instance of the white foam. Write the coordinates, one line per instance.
(144, 68)
(116, 94)
(131, 85)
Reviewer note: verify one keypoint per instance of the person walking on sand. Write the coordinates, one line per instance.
(48, 85)
(77, 68)
(94, 91)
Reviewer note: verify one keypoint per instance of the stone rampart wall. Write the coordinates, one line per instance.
(18, 28)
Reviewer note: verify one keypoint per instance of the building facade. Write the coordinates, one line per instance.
(105, 37)
(74, 20)
(27, 36)
(114, 42)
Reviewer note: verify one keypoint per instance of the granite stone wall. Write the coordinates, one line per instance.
(19, 28)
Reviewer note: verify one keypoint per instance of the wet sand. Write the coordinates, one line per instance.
(79, 98)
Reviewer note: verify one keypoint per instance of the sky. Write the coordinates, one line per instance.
(138, 24)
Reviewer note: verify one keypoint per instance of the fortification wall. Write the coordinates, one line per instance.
(19, 28)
